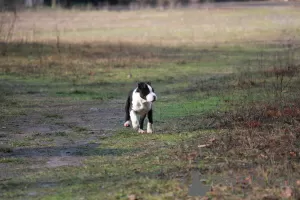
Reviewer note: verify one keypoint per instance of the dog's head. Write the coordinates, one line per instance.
(146, 91)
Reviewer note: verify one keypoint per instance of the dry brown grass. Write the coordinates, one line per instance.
(71, 43)
(254, 156)
(172, 27)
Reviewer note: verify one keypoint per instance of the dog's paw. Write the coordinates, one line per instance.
(141, 131)
(149, 128)
(127, 124)
(135, 125)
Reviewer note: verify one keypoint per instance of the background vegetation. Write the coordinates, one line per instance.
(116, 4)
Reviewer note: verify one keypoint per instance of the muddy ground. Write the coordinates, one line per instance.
(57, 133)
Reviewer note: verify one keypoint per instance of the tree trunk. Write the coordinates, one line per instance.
(53, 3)
(68, 4)
(40, 2)
(28, 3)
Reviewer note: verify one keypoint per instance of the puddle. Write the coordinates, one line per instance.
(67, 152)
(32, 193)
(197, 188)
(59, 161)
(68, 157)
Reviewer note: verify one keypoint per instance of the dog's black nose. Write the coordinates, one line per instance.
(154, 98)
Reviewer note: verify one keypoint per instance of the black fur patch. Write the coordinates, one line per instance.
(143, 89)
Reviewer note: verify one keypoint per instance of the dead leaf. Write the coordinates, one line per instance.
(192, 155)
(263, 156)
(273, 113)
(298, 183)
(248, 179)
(132, 197)
(202, 145)
(212, 140)
(218, 188)
(287, 192)
(253, 124)
(293, 154)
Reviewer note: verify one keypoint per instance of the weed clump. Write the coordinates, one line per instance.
(5, 148)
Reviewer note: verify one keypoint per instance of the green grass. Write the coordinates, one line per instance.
(12, 160)
(182, 108)
(120, 166)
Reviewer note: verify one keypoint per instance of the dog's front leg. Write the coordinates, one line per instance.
(142, 124)
(134, 120)
(149, 128)
(150, 122)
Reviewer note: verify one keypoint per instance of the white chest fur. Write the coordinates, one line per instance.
(140, 105)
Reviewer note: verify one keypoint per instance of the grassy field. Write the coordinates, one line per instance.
(228, 104)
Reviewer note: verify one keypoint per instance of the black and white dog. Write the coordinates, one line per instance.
(139, 104)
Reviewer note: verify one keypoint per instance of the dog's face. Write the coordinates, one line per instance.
(146, 91)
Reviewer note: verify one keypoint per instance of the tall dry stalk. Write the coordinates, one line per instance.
(7, 25)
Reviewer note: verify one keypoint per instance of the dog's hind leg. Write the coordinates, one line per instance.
(150, 122)
(127, 111)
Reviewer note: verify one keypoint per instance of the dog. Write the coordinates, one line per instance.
(139, 105)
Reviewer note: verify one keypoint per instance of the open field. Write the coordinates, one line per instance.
(228, 104)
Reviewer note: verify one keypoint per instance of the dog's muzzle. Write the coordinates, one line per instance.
(151, 97)
(154, 99)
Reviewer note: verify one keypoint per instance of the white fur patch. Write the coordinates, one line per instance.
(151, 96)
(141, 131)
(134, 120)
(140, 105)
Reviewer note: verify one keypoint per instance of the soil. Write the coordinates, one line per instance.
(60, 132)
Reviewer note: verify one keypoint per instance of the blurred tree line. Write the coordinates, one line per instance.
(14, 4)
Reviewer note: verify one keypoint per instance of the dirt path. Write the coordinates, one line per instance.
(54, 133)
(91, 115)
